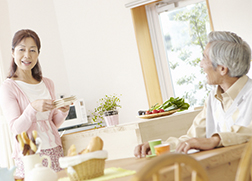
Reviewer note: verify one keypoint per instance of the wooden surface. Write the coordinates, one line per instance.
(121, 140)
(154, 168)
(221, 163)
(244, 171)
(146, 55)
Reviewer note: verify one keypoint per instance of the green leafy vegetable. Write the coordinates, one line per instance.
(171, 104)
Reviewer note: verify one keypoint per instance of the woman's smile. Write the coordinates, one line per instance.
(26, 62)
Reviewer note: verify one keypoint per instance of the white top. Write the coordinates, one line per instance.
(239, 112)
(34, 92)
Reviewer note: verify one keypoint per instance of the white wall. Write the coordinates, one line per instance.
(88, 48)
(104, 58)
(233, 16)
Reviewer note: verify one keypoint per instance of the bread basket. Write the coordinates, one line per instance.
(85, 166)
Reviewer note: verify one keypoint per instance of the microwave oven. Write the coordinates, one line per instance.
(77, 115)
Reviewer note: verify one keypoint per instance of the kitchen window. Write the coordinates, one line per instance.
(178, 33)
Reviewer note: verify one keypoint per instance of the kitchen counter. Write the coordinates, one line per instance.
(79, 128)
(121, 140)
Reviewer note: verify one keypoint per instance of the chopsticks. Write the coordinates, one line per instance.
(65, 101)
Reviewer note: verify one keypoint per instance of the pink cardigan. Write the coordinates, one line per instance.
(21, 116)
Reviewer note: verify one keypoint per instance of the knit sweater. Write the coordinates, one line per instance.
(21, 116)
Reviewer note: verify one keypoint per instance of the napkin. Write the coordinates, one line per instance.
(109, 173)
(65, 101)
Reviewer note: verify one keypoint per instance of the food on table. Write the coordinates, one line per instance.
(95, 144)
(72, 151)
(141, 113)
(20, 141)
(168, 105)
(27, 146)
(87, 164)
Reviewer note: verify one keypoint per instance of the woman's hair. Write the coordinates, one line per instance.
(231, 51)
(18, 37)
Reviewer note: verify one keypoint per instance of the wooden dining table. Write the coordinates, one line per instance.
(221, 163)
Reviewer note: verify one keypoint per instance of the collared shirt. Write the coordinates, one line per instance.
(237, 134)
(228, 97)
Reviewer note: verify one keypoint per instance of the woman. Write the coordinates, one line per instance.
(27, 100)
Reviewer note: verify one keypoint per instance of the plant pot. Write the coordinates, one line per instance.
(111, 118)
(110, 113)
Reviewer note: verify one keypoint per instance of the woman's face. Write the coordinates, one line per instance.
(213, 74)
(26, 54)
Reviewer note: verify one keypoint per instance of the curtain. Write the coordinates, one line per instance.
(5, 144)
(5, 134)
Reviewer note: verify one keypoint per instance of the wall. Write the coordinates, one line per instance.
(233, 16)
(88, 48)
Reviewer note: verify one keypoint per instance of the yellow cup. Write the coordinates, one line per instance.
(162, 148)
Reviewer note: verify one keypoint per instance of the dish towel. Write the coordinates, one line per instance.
(109, 173)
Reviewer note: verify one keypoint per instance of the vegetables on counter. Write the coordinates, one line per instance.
(170, 104)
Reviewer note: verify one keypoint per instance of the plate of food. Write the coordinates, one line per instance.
(169, 107)
(154, 115)
(65, 101)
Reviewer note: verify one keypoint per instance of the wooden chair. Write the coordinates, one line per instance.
(244, 170)
(151, 171)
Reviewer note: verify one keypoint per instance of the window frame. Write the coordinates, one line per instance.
(160, 93)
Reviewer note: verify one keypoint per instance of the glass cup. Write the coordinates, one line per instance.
(153, 143)
(162, 148)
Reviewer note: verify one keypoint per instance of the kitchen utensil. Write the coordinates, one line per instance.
(41, 173)
(31, 160)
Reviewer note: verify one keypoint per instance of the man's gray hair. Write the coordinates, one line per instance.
(231, 51)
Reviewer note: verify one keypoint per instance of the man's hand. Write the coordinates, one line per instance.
(199, 143)
(142, 150)
(42, 105)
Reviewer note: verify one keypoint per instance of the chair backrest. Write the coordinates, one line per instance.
(153, 168)
(244, 170)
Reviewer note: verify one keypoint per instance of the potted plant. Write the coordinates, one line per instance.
(107, 110)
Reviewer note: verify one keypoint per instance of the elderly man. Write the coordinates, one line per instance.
(226, 116)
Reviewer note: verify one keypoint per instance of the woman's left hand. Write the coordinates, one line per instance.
(198, 143)
(64, 108)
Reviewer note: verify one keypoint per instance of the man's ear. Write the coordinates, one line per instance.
(223, 70)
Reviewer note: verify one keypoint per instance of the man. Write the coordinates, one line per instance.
(226, 116)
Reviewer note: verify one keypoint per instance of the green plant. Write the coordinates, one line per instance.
(108, 103)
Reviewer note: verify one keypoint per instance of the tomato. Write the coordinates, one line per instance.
(147, 112)
(161, 110)
(155, 111)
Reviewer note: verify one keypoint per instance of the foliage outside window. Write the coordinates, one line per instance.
(185, 35)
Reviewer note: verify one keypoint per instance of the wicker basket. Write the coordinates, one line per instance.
(88, 169)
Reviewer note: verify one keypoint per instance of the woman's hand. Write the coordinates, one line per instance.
(142, 150)
(198, 143)
(64, 109)
(42, 105)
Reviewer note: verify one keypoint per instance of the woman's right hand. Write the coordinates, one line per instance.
(42, 105)
(142, 150)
